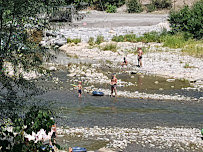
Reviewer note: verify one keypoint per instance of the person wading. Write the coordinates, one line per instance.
(113, 85)
(139, 57)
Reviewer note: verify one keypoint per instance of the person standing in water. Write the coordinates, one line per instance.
(79, 89)
(113, 85)
(139, 57)
(53, 136)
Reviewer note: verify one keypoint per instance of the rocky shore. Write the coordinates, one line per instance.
(163, 138)
(160, 61)
(157, 60)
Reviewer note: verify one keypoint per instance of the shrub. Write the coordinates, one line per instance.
(34, 120)
(150, 37)
(99, 39)
(188, 20)
(161, 4)
(69, 40)
(134, 6)
(150, 8)
(91, 41)
(174, 41)
(111, 9)
(75, 41)
(130, 38)
(110, 47)
(125, 38)
(106, 3)
(119, 38)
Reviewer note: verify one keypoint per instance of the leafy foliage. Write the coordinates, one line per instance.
(111, 9)
(99, 39)
(110, 47)
(75, 41)
(150, 7)
(19, 20)
(91, 41)
(162, 4)
(174, 41)
(179, 40)
(125, 38)
(108, 5)
(12, 131)
(158, 5)
(188, 20)
(134, 6)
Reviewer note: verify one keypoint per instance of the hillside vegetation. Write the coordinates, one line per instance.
(133, 6)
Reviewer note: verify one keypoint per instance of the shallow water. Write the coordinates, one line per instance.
(90, 111)
(123, 112)
(106, 111)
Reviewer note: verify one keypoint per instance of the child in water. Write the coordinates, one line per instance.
(79, 89)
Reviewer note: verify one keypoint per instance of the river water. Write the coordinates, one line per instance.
(90, 111)
(110, 112)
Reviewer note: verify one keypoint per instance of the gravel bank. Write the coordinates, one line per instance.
(161, 61)
(160, 138)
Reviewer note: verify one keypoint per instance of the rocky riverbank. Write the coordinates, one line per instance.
(157, 60)
(161, 138)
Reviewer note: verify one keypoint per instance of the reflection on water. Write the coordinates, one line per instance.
(139, 81)
(109, 111)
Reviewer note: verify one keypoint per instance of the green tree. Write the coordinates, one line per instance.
(134, 6)
(34, 120)
(18, 49)
(188, 20)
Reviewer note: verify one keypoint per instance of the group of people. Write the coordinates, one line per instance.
(125, 62)
(113, 89)
(139, 58)
(114, 79)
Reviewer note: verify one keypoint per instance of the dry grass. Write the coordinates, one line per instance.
(194, 48)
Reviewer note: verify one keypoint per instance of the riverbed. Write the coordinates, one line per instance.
(158, 107)
(121, 123)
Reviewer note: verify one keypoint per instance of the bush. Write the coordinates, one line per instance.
(119, 38)
(34, 120)
(91, 41)
(161, 4)
(125, 38)
(99, 39)
(75, 41)
(150, 37)
(110, 47)
(174, 41)
(134, 6)
(100, 4)
(188, 20)
(150, 8)
(111, 9)
(130, 38)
